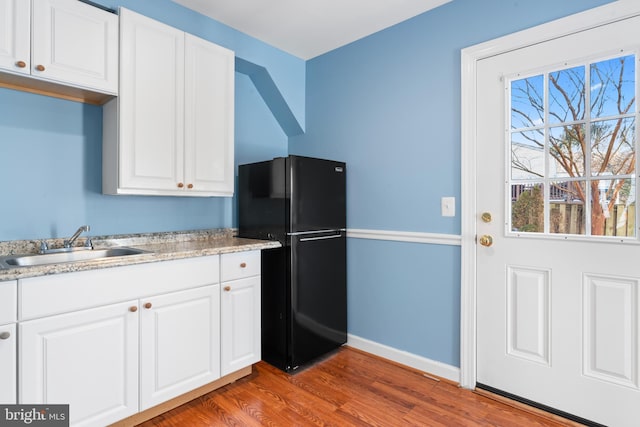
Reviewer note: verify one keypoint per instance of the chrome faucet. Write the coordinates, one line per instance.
(68, 243)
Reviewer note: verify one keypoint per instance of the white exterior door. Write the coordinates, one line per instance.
(557, 271)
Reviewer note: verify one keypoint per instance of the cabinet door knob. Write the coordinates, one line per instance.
(5, 335)
(190, 186)
(243, 265)
(227, 288)
(21, 64)
(40, 67)
(148, 305)
(180, 185)
(133, 309)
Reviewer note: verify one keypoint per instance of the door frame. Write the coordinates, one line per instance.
(470, 56)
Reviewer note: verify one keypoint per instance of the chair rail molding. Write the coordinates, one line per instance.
(405, 236)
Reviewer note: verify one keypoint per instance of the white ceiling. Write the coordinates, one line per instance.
(307, 28)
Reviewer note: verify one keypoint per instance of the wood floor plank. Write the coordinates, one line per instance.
(349, 388)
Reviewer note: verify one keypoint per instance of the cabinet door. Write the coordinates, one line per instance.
(15, 35)
(240, 324)
(73, 42)
(8, 366)
(87, 359)
(209, 112)
(179, 343)
(151, 103)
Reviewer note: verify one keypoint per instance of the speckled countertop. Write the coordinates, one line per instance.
(159, 247)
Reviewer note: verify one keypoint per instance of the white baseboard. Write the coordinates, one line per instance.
(399, 356)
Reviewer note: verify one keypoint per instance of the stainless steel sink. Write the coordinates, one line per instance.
(30, 260)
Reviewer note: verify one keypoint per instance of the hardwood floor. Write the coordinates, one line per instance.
(348, 388)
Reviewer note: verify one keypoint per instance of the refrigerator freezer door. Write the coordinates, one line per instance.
(317, 190)
(318, 295)
(262, 201)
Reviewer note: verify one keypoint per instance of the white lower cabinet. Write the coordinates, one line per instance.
(8, 364)
(87, 359)
(115, 342)
(179, 343)
(240, 310)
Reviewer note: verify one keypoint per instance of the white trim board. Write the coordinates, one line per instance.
(420, 363)
(470, 56)
(405, 236)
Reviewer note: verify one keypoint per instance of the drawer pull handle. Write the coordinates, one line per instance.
(5, 335)
(243, 265)
(148, 305)
(227, 288)
(40, 67)
(21, 64)
(133, 309)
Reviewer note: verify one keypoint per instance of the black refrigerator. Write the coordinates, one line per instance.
(301, 202)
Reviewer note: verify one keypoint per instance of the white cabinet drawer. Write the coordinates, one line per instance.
(8, 302)
(61, 293)
(239, 265)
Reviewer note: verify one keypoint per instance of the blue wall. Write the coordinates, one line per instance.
(51, 149)
(389, 105)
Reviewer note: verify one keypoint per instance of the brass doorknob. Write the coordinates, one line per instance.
(486, 216)
(486, 240)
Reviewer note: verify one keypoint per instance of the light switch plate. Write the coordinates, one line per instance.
(448, 206)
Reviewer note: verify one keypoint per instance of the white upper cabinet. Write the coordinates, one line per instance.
(15, 36)
(64, 42)
(170, 131)
(209, 106)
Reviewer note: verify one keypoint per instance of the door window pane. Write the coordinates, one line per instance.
(566, 207)
(613, 145)
(527, 155)
(527, 208)
(613, 207)
(527, 102)
(613, 87)
(566, 148)
(566, 95)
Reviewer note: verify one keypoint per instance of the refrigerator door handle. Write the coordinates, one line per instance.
(333, 236)
(302, 233)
